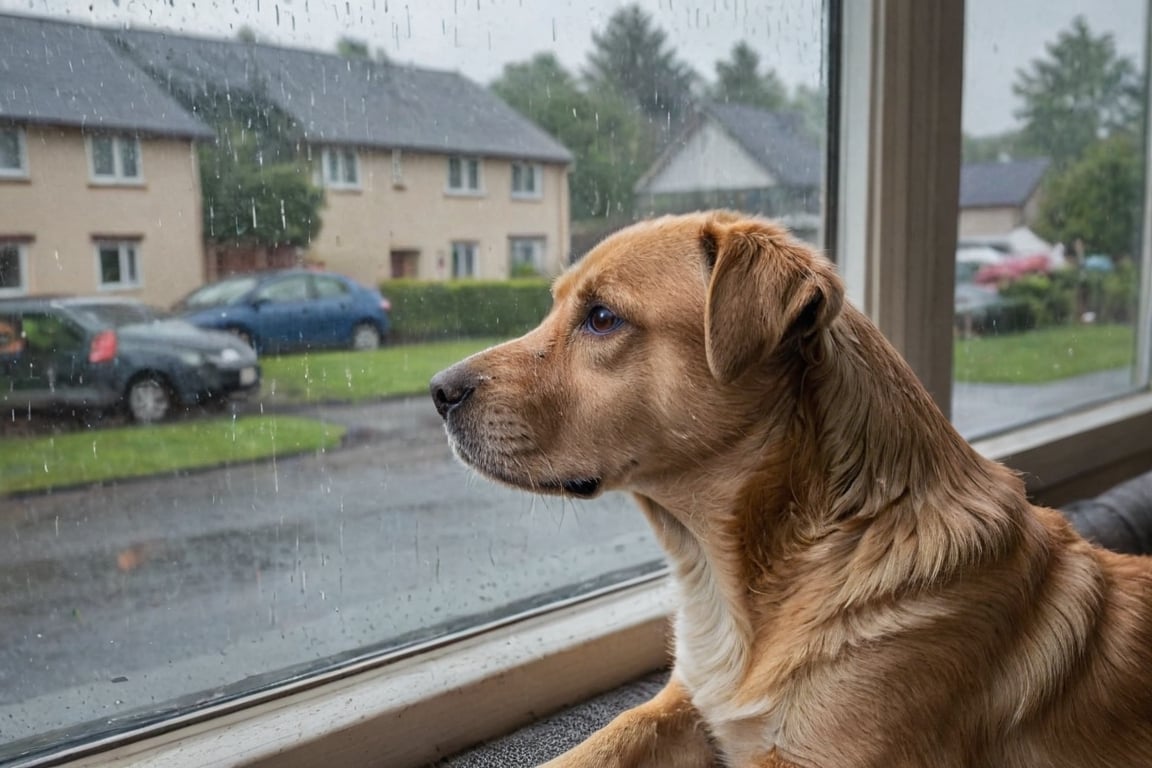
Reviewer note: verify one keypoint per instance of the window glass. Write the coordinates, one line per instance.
(11, 150)
(327, 287)
(1052, 202)
(11, 267)
(103, 156)
(285, 499)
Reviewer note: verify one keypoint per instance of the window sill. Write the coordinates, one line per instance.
(502, 679)
(117, 184)
(17, 177)
(465, 193)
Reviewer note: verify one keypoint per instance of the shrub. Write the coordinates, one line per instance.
(423, 310)
(1051, 299)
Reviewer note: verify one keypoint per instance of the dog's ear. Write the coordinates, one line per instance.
(763, 285)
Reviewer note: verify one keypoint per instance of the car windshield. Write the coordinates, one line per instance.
(224, 292)
(117, 315)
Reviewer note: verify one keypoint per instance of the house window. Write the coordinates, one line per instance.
(464, 258)
(464, 175)
(114, 159)
(526, 256)
(341, 168)
(526, 180)
(13, 153)
(118, 263)
(13, 268)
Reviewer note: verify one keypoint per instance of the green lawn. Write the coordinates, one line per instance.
(1043, 355)
(35, 463)
(354, 376)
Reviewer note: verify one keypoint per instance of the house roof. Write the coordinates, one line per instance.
(66, 74)
(775, 139)
(341, 101)
(995, 184)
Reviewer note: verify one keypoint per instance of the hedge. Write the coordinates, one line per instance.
(423, 311)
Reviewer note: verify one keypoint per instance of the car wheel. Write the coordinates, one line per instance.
(148, 400)
(365, 336)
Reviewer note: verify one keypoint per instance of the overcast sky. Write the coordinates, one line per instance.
(477, 37)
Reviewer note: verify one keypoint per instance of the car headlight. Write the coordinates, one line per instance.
(194, 359)
(229, 355)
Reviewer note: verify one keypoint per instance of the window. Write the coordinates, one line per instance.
(13, 153)
(13, 268)
(464, 259)
(115, 159)
(289, 289)
(526, 180)
(464, 175)
(526, 256)
(352, 535)
(341, 168)
(117, 264)
(1052, 209)
(329, 287)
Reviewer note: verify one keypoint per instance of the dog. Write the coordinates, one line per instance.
(856, 585)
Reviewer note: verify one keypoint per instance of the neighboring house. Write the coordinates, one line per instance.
(997, 197)
(426, 174)
(98, 180)
(741, 157)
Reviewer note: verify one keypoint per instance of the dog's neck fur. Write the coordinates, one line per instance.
(817, 508)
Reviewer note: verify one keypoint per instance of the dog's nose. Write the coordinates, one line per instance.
(450, 388)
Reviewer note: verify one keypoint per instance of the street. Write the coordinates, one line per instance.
(131, 595)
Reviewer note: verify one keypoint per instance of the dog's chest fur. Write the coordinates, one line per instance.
(713, 647)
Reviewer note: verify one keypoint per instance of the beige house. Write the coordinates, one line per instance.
(998, 197)
(426, 174)
(98, 179)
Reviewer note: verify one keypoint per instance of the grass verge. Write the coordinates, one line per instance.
(40, 463)
(1043, 355)
(357, 376)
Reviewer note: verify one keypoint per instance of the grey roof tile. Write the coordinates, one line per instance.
(67, 74)
(341, 101)
(994, 184)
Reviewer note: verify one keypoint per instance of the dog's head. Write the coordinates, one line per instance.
(657, 353)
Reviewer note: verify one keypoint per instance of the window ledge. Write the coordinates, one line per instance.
(488, 684)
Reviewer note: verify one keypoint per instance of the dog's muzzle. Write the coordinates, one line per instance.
(451, 388)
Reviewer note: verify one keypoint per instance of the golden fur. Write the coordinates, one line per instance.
(858, 587)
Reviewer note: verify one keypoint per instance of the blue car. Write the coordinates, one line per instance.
(291, 310)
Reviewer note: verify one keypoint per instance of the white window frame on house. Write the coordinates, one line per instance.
(20, 170)
(534, 246)
(468, 252)
(527, 181)
(900, 67)
(346, 158)
(129, 263)
(118, 176)
(21, 249)
(470, 175)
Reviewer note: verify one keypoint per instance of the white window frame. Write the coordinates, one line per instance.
(471, 251)
(130, 263)
(395, 715)
(118, 177)
(539, 246)
(535, 172)
(342, 155)
(464, 188)
(21, 170)
(22, 259)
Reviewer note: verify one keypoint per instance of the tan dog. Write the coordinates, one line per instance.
(858, 587)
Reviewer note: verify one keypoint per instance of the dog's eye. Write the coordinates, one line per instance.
(602, 320)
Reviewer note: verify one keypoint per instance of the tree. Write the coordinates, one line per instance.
(739, 80)
(631, 57)
(1096, 199)
(357, 50)
(247, 201)
(1080, 92)
(606, 135)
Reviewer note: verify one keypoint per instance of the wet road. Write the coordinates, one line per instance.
(130, 595)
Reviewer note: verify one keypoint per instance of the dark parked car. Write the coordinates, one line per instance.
(290, 310)
(95, 353)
